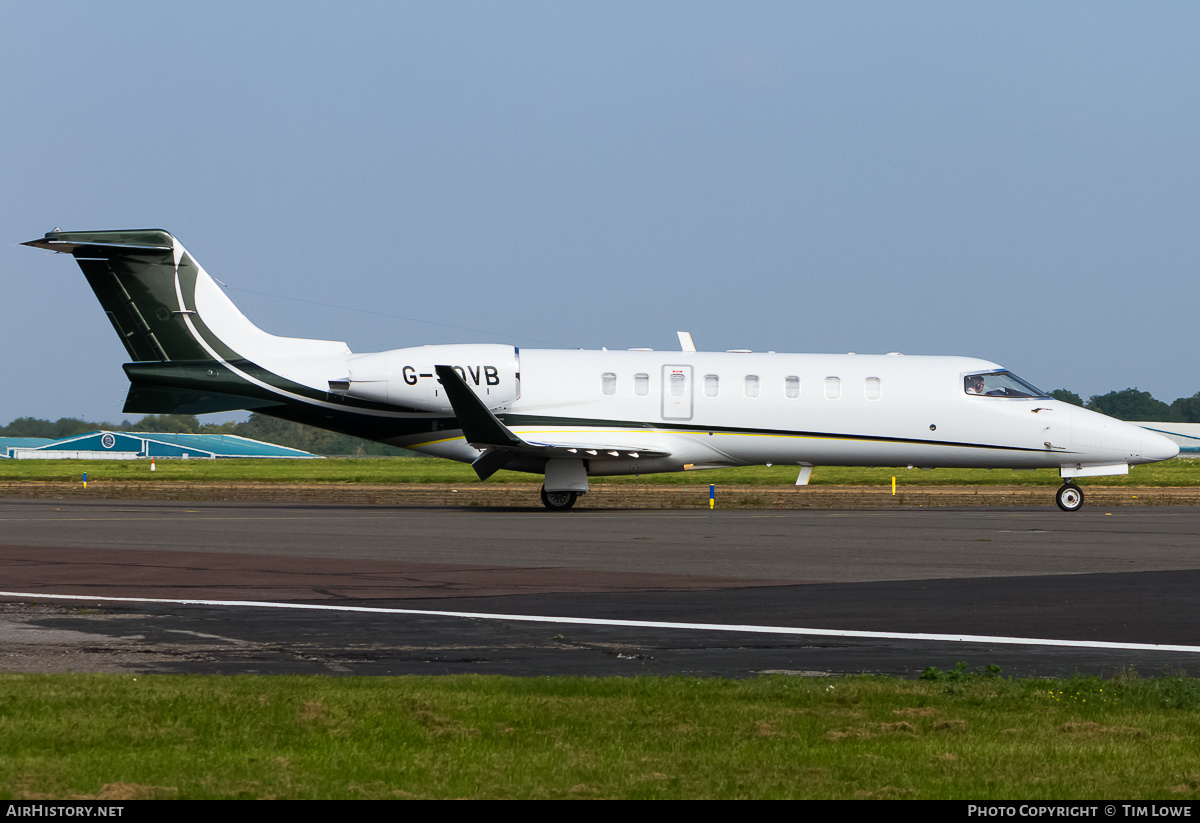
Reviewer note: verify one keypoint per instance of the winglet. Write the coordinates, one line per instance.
(479, 425)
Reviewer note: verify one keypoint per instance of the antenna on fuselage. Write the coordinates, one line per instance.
(685, 341)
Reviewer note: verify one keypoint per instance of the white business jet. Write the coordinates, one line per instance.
(572, 415)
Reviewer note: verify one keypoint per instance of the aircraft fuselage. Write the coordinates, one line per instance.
(716, 409)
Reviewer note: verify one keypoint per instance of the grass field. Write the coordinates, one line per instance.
(973, 737)
(401, 470)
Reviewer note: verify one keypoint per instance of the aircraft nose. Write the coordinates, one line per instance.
(1156, 447)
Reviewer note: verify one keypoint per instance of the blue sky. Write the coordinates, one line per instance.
(1014, 181)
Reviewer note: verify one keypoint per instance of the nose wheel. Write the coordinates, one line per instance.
(1069, 497)
(558, 501)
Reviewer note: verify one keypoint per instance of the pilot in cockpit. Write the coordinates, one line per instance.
(974, 384)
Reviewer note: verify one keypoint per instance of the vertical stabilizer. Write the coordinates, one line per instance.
(164, 306)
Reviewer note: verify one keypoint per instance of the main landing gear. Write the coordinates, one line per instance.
(1069, 497)
(558, 501)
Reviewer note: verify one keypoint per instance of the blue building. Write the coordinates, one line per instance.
(106, 445)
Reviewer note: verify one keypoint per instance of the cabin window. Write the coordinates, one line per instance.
(833, 388)
(641, 384)
(873, 389)
(791, 386)
(711, 385)
(677, 384)
(608, 383)
(752, 385)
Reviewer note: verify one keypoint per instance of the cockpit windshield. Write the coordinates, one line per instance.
(999, 384)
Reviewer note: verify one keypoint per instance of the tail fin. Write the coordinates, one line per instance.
(133, 274)
(164, 306)
(172, 317)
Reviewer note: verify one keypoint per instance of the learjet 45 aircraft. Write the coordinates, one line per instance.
(571, 415)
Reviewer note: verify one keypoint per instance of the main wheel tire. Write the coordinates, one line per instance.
(558, 501)
(1069, 497)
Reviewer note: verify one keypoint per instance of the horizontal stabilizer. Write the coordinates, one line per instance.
(105, 243)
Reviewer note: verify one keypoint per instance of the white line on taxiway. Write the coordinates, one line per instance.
(643, 624)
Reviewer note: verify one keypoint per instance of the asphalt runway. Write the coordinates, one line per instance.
(503, 591)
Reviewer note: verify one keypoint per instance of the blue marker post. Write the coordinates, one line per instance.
(85, 480)
(712, 496)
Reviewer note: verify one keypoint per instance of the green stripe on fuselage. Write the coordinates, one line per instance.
(512, 420)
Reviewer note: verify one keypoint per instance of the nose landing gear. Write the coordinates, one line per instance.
(1069, 497)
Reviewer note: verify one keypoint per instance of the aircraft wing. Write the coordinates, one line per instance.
(483, 430)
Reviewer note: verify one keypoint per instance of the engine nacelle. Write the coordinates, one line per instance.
(405, 377)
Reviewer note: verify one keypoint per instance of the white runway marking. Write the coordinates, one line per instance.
(643, 624)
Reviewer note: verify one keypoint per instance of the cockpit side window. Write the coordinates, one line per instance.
(999, 384)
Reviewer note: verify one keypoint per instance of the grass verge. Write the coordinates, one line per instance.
(401, 470)
(962, 734)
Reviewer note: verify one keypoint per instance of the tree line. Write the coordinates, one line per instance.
(1131, 404)
(258, 427)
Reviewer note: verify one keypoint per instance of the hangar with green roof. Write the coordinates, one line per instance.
(111, 445)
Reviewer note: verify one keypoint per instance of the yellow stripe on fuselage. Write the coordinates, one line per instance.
(522, 431)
